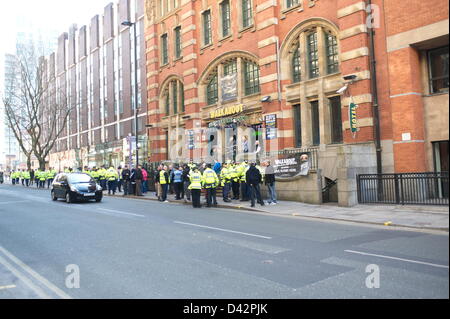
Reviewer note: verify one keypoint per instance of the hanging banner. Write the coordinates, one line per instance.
(271, 126)
(229, 87)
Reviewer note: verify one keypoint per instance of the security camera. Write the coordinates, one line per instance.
(342, 89)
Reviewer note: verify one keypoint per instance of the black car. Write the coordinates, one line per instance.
(76, 186)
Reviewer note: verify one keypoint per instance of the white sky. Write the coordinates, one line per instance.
(47, 15)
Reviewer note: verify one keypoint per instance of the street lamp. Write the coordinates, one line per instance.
(129, 24)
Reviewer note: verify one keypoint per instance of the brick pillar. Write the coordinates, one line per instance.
(407, 111)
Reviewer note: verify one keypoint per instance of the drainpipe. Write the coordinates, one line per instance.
(278, 71)
(375, 105)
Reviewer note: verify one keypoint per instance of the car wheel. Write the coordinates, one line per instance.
(68, 199)
(54, 196)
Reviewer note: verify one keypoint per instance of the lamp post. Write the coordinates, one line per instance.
(130, 24)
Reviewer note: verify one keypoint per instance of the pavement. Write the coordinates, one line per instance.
(416, 217)
(129, 248)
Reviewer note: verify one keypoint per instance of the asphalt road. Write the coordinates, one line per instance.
(125, 248)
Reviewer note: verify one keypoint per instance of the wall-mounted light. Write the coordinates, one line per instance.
(267, 98)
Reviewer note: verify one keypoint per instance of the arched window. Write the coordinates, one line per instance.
(173, 97)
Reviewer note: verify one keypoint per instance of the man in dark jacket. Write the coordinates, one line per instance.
(253, 179)
(126, 180)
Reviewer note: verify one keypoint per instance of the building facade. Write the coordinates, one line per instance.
(92, 72)
(338, 80)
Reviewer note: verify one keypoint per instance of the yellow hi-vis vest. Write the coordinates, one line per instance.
(162, 177)
(225, 175)
(210, 179)
(196, 180)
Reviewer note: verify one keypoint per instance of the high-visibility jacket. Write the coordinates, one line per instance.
(233, 173)
(242, 170)
(162, 177)
(26, 175)
(196, 180)
(13, 175)
(37, 174)
(101, 173)
(87, 172)
(94, 174)
(51, 174)
(225, 175)
(43, 176)
(20, 175)
(209, 178)
(112, 175)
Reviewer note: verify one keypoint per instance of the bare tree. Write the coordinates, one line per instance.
(36, 111)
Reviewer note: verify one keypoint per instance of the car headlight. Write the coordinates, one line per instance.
(73, 189)
(99, 188)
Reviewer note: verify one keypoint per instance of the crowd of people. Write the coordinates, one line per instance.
(239, 181)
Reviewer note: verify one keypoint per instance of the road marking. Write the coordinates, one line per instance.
(24, 279)
(34, 274)
(221, 229)
(397, 258)
(119, 212)
(14, 202)
(7, 287)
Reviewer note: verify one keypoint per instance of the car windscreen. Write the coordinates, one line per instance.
(80, 178)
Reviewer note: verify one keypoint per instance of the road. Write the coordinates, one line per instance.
(127, 248)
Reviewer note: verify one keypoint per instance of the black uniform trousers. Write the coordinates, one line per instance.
(195, 194)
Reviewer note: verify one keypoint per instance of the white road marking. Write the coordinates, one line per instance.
(119, 212)
(7, 287)
(14, 202)
(397, 258)
(221, 229)
(38, 291)
(34, 274)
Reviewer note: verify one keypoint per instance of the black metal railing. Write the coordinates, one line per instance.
(403, 188)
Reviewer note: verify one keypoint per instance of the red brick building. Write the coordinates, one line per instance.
(225, 74)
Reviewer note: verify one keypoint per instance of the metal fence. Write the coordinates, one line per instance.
(403, 188)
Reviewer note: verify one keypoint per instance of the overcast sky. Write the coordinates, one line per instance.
(54, 16)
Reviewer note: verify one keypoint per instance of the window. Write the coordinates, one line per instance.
(175, 97)
(296, 66)
(207, 35)
(315, 122)
(291, 3)
(246, 13)
(212, 91)
(313, 55)
(336, 119)
(226, 18)
(297, 125)
(164, 50)
(332, 53)
(438, 70)
(182, 97)
(251, 78)
(177, 32)
(230, 68)
(167, 104)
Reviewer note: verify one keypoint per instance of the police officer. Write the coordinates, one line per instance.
(112, 177)
(225, 177)
(164, 181)
(195, 186)
(234, 180)
(42, 178)
(50, 176)
(102, 177)
(242, 170)
(26, 177)
(210, 181)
